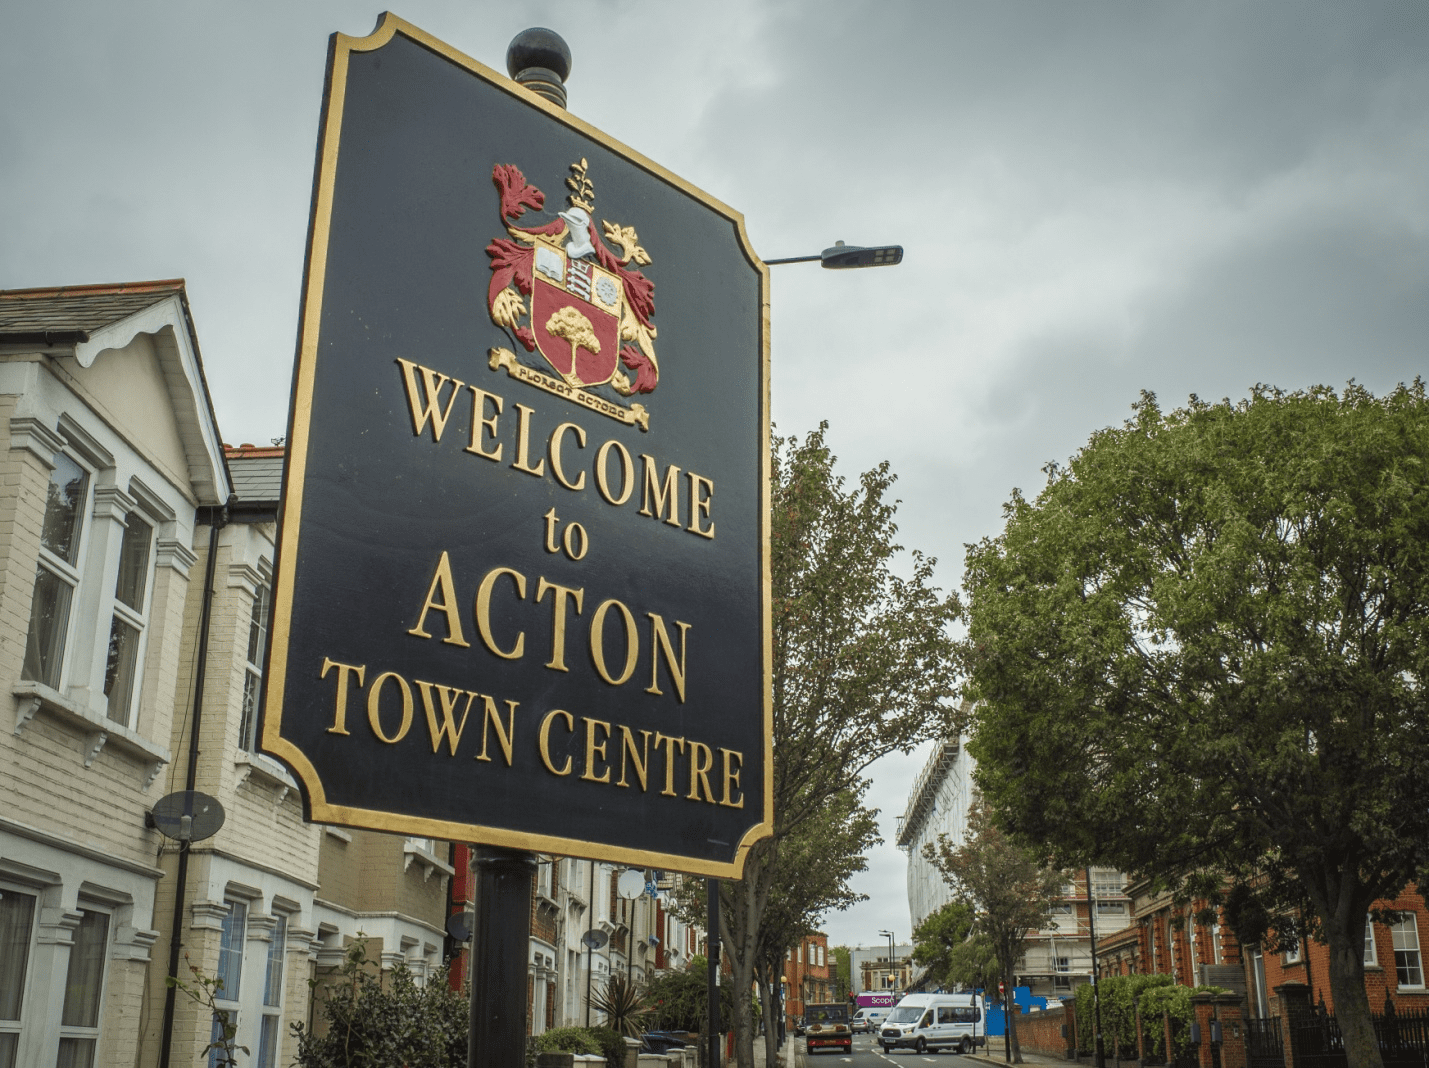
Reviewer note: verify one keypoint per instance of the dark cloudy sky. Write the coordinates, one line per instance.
(1095, 197)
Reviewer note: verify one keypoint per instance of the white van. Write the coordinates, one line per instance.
(870, 1018)
(934, 1021)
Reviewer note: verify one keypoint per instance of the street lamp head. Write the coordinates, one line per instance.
(843, 257)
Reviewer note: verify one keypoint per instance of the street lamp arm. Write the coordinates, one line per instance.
(843, 257)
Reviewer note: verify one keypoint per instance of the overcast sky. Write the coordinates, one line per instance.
(1095, 198)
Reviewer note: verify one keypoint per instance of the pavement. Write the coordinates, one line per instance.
(995, 1052)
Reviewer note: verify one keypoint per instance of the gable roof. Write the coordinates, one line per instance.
(28, 314)
(89, 319)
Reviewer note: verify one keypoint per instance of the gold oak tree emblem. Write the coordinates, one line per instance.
(562, 292)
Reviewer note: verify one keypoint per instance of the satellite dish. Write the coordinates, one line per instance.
(187, 816)
(631, 884)
(594, 940)
(457, 927)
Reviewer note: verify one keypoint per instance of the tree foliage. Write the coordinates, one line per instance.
(374, 1021)
(678, 1000)
(1006, 887)
(1200, 653)
(939, 937)
(863, 666)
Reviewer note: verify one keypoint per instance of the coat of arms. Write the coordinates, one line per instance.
(561, 291)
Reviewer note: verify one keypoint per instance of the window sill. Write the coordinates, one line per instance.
(255, 767)
(97, 731)
(428, 861)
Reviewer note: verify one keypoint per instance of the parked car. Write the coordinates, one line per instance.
(934, 1021)
(661, 1042)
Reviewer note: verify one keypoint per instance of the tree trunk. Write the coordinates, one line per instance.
(1352, 1007)
(1010, 1011)
(740, 924)
(767, 993)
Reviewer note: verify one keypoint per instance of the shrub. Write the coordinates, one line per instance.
(393, 1022)
(611, 1043)
(567, 1040)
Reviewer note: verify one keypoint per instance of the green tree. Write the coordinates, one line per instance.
(939, 937)
(678, 1000)
(862, 666)
(1201, 654)
(374, 1020)
(1009, 891)
(843, 970)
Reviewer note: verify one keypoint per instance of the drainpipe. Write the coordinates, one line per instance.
(217, 519)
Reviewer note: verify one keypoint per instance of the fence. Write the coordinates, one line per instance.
(1317, 1041)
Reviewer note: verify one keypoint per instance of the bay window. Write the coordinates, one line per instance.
(253, 672)
(231, 941)
(57, 573)
(271, 1023)
(127, 628)
(84, 983)
(17, 921)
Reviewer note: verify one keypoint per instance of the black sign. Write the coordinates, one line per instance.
(522, 594)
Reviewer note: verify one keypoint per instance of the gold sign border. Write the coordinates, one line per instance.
(340, 47)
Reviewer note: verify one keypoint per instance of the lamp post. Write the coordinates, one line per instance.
(892, 960)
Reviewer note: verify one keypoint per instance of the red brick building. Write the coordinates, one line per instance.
(809, 974)
(1166, 938)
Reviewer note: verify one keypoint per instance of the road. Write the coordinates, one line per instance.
(866, 1054)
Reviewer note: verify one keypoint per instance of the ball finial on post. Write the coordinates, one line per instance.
(541, 61)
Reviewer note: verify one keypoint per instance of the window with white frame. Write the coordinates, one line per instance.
(1292, 955)
(1257, 968)
(1371, 957)
(231, 940)
(253, 672)
(270, 1027)
(1111, 908)
(126, 632)
(17, 931)
(1107, 883)
(1407, 962)
(57, 574)
(84, 985)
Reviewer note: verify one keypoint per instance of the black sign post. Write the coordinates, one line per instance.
(522, 593)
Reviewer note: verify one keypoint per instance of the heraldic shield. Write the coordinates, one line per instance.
(575, 316)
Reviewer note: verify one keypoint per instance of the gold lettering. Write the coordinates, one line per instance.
(504, 735)
(660, 644)
(551, 521)
(483, 612)
(558, 624)
(640, 760)
(665, 496)
(701, 760)
(554, 448)
(374, 715)
(479, 397)
(339, 719)
(594, 749)
(448, 729)
(597, 642)
(544, 739)
(670, 743)
(523, 443)
(733, 761)
(447, 605)
(568, 540)
(422, 411)
(627, 473)
(700, 505)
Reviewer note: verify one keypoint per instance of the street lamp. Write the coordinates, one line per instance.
(892, 959)
(842, 257)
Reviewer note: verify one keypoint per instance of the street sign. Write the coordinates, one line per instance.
(522, 592)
